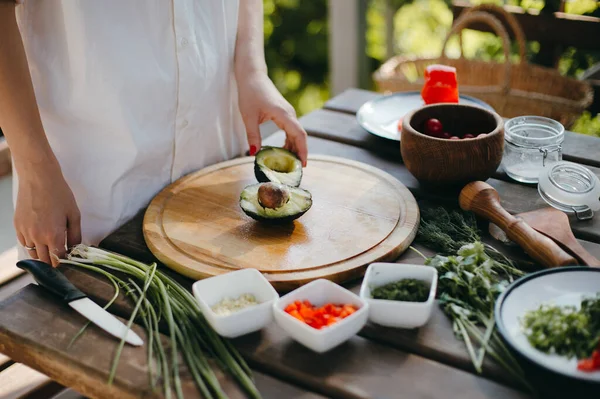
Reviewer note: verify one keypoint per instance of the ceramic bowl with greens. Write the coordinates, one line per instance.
(551, 319)
(399, 295)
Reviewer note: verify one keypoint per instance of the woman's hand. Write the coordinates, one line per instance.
(46, 214)
(260, 101)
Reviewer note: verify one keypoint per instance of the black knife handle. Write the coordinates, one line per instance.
(51, 279)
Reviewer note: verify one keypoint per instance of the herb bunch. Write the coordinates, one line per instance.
(471, 276)
(446, 232)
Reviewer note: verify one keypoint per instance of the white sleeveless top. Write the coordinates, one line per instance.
(132, 95)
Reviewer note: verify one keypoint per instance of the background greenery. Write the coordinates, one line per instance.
(296, 43)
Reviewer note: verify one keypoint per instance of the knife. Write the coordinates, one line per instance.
(56, 282)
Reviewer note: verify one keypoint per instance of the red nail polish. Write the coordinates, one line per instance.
(252, 149)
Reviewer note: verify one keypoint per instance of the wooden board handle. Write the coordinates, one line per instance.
(482, 199)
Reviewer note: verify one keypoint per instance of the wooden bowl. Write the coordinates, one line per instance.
(452, 162)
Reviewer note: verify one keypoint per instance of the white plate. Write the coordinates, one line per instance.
(380, 116)
(559, 286)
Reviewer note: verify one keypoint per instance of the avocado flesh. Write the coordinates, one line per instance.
(300, 201)
(278, 165)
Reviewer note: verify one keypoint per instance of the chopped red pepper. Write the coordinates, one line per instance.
(441, 85)
(586, 365)
(319, 317)
(592, 363)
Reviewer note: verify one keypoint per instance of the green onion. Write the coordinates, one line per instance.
(163, 300)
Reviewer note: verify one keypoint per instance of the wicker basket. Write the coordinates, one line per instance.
(511, 89)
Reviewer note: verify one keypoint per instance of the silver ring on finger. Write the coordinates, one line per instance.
(29, 248)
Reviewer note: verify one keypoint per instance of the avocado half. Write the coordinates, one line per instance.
(298, 203)
(278, 165)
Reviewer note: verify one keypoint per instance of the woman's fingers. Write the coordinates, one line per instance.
(49, 251)
(296, 135)
(57, 248)
(253, 134)
(74, 229)
(27, 244)
(46, 214)
(42, 252)
(47, 247)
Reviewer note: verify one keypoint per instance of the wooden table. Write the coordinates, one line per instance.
(378, 363)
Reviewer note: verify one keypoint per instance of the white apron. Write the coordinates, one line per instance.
(132, 96)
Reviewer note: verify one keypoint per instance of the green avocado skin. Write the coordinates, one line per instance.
(275, 220)
(262, 178)
(260, 175)
(281, 220)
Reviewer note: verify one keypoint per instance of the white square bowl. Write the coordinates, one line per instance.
(399, 314)
(320, 292)
(210, 291)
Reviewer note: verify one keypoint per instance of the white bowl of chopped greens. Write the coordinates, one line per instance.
(551, 319)
(236, 303)
(399, 295)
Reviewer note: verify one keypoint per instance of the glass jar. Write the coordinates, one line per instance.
(571, 188)
(531, 144)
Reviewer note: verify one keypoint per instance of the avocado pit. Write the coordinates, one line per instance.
(273, 195)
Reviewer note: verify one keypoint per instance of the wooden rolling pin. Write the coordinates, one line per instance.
(482, 199)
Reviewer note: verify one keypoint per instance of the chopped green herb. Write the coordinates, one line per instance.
(409, 290)
(564, 330)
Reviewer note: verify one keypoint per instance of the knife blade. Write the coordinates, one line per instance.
(56, 282)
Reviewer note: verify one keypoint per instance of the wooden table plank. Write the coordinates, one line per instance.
(268, 386)
(68, 394)
(18, 381)
(4, 362)
(273, 352)
(40, 340)
(357, 369)
(435, 341)
(8, 270)
(15, 285)
(360, 368)
(576, 147)
(443, 346)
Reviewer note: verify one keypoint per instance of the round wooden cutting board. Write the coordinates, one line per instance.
(359, 215)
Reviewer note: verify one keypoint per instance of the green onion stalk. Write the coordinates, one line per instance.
(160, 300)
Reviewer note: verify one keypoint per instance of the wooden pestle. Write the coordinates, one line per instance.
(482, 199)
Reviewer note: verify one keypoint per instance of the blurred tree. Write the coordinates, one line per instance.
(296, 50)
(296, 43)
